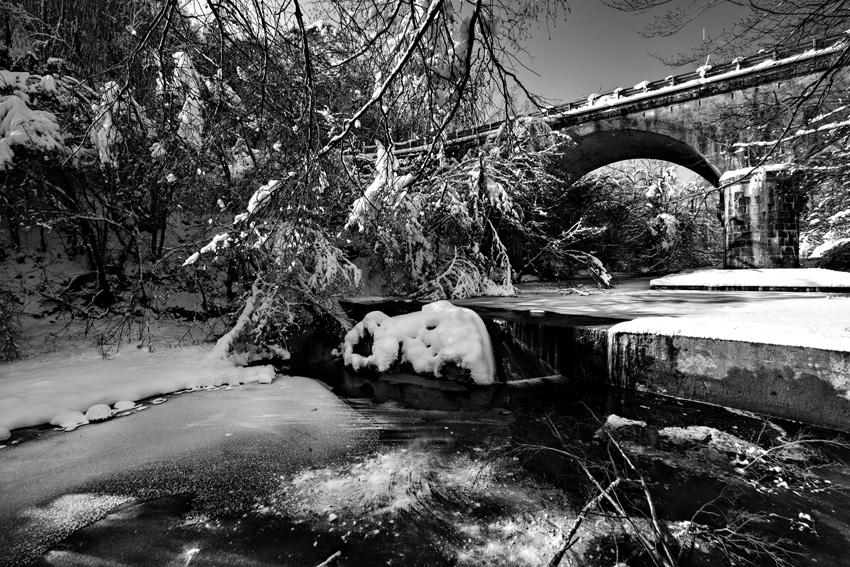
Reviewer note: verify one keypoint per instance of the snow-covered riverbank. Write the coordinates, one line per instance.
(72, 389)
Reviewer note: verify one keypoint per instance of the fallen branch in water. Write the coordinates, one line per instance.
(330, 560)
(593, 503)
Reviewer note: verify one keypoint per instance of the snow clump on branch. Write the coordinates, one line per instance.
(22, 126)
(439, 334)
(104, 134)
(191, 116)
(385, 185)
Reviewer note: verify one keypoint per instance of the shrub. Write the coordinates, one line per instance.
(9, 328)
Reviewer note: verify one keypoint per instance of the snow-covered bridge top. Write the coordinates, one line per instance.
(707, 80)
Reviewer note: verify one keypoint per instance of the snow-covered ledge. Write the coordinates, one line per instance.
(439, 334)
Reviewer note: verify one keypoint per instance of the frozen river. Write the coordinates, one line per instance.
(408, 471)
(226, 448)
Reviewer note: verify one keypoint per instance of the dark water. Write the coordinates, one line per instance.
(789, 505)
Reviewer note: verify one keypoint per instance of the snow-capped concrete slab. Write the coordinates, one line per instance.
(789, 359)
(769, 279)
(817, 323)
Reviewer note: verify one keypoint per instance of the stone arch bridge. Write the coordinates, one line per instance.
(671, 119)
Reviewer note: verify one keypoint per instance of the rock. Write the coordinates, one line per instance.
(265, 374)
(614, 422)
(98, 412)
(69, 419)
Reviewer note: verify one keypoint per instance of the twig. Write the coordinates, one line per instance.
(379, 92)
(656, 526)
(330, 560)
(591, 504)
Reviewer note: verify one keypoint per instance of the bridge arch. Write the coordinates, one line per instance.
(601, 143)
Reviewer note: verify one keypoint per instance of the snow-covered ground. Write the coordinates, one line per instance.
(759, 278)
(62, 388)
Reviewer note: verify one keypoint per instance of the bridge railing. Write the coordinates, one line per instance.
(593, 102)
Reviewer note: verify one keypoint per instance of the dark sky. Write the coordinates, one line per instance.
(595, 48)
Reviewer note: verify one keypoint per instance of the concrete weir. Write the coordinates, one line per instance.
(780, 354)
(799, 383)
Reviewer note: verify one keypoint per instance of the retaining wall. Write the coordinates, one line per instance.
(804, 384)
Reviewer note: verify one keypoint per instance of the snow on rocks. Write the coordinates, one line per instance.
(4, 434)
(439, 334)
(262, 374)
(704, 435)
(614, 422)
(58, 388)
(69, 419)
(98, 412)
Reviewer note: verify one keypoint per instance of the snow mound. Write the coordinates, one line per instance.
(98, 412)
(428, 339)
(59, 388)
(69, 419)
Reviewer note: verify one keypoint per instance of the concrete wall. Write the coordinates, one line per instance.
(525, 349)
(797, 383)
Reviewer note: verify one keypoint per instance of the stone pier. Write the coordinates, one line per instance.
(761, 217)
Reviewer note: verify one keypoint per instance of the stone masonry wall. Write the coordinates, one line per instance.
(761, 218)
